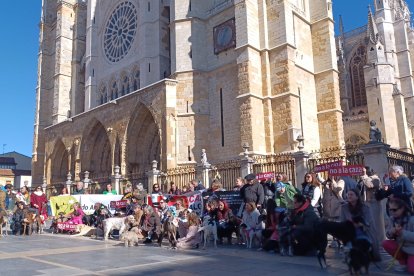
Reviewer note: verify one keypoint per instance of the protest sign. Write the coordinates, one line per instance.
(66, 226)
(347, 170)
(88, 202)
(233, 199)
(118, 204)
(62, 204)
(195, 202)
(327, 166)
(265, 175)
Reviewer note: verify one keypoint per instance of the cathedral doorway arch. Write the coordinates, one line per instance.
(143, 144)
(96, 153)
(59, 163)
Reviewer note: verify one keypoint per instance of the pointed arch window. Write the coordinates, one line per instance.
(114, 91)
(356, 71)
(136, 82)
(125, 85)
(103, 94)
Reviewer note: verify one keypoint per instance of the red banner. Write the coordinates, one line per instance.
(118, 204)
(66, 226)
(265, 175)
(347, 170)
(327, 166)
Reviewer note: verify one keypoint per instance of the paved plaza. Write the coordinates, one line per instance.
(61, 255)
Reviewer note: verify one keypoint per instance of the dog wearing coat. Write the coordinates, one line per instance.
(210, 229)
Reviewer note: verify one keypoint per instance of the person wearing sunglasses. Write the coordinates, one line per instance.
(400, 234)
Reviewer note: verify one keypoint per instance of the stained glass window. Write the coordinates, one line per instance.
(120, 31)
(356, 71)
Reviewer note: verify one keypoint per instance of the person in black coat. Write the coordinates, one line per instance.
(17, 219)
(298, 239)
(252, 191)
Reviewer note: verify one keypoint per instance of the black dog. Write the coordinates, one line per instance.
(343, 231)
(359, 256)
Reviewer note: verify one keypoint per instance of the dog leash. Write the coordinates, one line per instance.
(394, 257)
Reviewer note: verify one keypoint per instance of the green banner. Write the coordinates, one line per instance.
(62, 204)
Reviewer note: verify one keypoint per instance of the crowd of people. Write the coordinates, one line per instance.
(283, 218)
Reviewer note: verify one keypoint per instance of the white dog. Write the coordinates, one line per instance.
(210, 229)
(250, 234)
(132, 237)
(118, 223)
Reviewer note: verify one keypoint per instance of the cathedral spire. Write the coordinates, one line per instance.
(341, 26)
(372, 30)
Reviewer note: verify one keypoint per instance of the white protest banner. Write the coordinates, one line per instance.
(88, 202)
(195, 202)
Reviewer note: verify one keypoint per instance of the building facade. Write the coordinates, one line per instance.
(376, 75)
(122, 83)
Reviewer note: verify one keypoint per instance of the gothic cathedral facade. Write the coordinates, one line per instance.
(376, 75)
(125, 82)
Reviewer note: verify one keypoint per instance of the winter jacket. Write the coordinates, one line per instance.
(305, 218)
(285, 200)
(252, 193)
(407, 237)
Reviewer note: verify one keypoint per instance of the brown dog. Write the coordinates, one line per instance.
(4, 222)
(29, 219)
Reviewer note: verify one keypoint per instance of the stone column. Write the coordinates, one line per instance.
(116, 179)
(152, 175)
(86, 180)
(205, 175)
(246, 163)
(68, 182)
(375, 156)
(301, 164)
(44, 185)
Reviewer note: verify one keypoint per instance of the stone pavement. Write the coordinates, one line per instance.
(61, 255)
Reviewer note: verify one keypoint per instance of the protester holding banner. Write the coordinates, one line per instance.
(79, 190)
(239, 184)
(174, 190)
(156, 189)
(109, 190)
(77, 215)
(312, 191)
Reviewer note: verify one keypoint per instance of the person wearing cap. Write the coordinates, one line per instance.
(252, 191)
(284, 194)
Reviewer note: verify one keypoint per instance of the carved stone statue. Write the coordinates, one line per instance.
(374, 133)
(204, 161)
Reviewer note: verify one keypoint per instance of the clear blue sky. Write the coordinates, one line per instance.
(18, 65)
